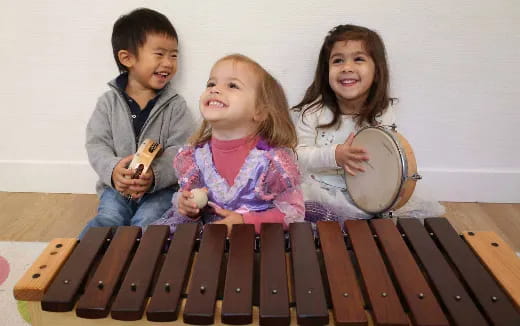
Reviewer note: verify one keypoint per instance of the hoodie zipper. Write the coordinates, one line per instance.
(146, 123)
(130, 115)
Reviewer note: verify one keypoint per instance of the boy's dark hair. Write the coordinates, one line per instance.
(320, 93)
(130, 31)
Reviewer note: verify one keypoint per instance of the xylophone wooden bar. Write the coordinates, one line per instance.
(64, 290)
(132, 296)
(237, 304)
(274, 293)
(165, 302)
(202, 294)
(499, 258)
(456, 299)
(424, 307)
(381, 292)
(347, 301)
(38, 277)
(95, 302)
(495, 303)
(311, 304)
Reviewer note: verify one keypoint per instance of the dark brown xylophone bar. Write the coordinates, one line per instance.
(95, 302)
(202, 294)
(386, 307)
(274, 294)
(495, 303)
(132, 297)
(237, 304)
(311, 304)
(461, 309)
(347, 301)
(64, 290)
(165, 302)
(422, 303)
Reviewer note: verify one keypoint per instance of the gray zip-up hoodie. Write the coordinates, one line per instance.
(111, 137)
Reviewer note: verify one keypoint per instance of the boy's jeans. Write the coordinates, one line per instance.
(116, 210)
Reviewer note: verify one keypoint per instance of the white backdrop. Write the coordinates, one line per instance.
(455, 66)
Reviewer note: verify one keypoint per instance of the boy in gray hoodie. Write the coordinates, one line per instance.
(140, 104)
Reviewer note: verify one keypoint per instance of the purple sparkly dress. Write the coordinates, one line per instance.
(268, 179)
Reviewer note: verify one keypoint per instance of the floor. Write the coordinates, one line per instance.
(43, 216)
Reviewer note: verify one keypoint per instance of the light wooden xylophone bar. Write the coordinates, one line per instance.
(38, 277)
(500, 259)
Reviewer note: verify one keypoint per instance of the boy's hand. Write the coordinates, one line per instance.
(349, 157)
(141, 185)
(229, 217)
(187, 206)
(121, 175)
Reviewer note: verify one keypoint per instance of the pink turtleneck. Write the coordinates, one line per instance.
(228, 157)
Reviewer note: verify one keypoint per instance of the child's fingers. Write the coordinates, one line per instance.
(141, 182)
(188, 211)
(125, 161)
(357, 150)
(357, 157)
(139, 188)
(188, 204)
(212, 206)
(355, 167)
(350, 139)
(187, 207)
(348, 170)
(120, 187)
(121, 167)
(228, 225)
(187, 194)
(120, 178)
(219, 211)
(120, 182)
(148, 176)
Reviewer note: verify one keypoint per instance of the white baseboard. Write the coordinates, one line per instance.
(471, 185)
(461, 185)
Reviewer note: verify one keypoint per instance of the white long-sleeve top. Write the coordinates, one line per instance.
(317, 146)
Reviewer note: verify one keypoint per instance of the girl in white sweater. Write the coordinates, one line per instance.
(349, 91)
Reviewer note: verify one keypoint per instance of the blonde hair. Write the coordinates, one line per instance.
(276, 128)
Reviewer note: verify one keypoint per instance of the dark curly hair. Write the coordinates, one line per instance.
(320, 93)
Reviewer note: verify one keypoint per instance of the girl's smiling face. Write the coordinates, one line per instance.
(229, 101)
(351, 74)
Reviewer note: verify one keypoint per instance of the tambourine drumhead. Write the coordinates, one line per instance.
(382, 186)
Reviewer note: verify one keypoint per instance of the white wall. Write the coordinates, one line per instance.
(454, 65)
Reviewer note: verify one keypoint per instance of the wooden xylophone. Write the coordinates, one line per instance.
(378, 273)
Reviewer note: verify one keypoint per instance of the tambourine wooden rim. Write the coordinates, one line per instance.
(408, 172)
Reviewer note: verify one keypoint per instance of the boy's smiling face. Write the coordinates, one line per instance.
(155, 63)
